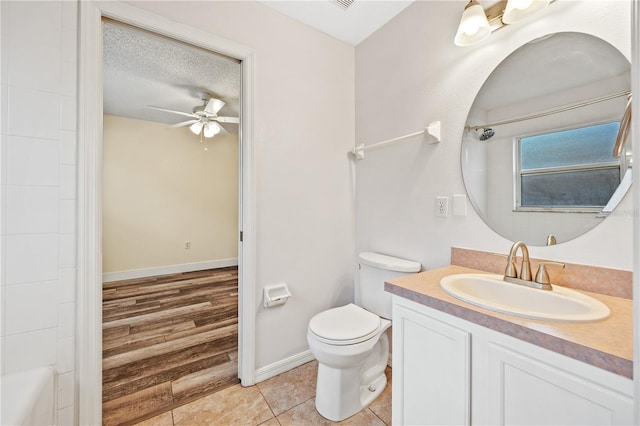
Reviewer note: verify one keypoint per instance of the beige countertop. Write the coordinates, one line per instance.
(607, 344)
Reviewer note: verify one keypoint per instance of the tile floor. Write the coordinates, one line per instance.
(287, 399)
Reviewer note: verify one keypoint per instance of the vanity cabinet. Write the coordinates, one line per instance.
(433, 361)
(447, 370)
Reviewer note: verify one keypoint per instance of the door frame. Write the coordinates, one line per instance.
(635, 188)
(88, 364)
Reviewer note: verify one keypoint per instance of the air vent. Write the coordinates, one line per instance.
(343, 3)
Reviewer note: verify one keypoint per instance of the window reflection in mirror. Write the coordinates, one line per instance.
(568, 170)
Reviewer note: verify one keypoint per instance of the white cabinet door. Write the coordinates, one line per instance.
(431, 370)
(523, 390)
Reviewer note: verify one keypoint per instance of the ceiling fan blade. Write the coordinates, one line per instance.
(184, 123)
(187, 114)
(213, 106)
(235, 120)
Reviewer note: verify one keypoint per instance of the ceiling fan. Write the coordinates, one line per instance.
(204, 118)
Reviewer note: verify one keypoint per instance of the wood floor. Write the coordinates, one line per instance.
(167, 340)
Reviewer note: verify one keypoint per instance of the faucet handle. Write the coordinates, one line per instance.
(511, 269)
(542, 276)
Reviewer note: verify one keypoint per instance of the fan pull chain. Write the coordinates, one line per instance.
(203, 140)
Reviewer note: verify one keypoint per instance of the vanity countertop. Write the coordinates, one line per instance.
(607, 344)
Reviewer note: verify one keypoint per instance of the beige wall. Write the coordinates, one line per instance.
(161, 189)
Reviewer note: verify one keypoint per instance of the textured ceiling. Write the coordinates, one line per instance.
(141, 68)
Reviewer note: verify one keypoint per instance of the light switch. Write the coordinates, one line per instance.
(459, 205)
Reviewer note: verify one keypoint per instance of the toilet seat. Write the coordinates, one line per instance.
(346, 325)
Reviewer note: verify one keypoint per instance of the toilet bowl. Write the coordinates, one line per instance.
(352, 350)
(351, 343)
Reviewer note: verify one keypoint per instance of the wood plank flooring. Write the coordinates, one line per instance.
(167, 340)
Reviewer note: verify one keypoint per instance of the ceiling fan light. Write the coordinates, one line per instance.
(211, 129)
(196, 128)
(474, 25)
(520, 9)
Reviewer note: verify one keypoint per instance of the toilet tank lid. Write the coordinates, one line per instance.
(389, 263)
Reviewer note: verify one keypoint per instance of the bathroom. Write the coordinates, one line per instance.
(315, 207)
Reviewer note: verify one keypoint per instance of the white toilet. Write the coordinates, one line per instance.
(350, 342)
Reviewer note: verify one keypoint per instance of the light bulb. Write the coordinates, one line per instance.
(211, 129)
(474, 25)
(520, 9)
(196, 127)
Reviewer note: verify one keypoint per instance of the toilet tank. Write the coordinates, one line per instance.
(374, 270)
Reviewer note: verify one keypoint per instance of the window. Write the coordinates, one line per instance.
(568, 170)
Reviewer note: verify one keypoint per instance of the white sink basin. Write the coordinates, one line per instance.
(491, 292)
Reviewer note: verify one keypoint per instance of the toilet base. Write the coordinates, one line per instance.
(343, 392)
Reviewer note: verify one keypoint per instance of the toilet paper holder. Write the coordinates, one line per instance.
(276, 295)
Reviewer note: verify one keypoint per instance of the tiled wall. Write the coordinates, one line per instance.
(38, 127)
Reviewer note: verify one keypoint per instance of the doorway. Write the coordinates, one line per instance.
(89, 321)
(170, 223)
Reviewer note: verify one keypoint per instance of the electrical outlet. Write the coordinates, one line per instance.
(442, 206)
(187, 245)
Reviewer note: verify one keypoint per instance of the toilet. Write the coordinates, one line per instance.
(350, 342)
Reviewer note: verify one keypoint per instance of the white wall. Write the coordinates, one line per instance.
(161, 189)
(38, 131)
(410, 73)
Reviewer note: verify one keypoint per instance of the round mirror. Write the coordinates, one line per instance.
(538, 149)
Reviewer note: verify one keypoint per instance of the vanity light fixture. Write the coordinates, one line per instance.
(476, 23)
(516, 10)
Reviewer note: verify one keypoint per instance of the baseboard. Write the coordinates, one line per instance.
(282, 366)
(165, 270)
